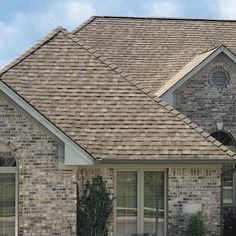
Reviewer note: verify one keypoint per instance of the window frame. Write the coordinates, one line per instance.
(140, 197)
(13, 170)
(227, 78)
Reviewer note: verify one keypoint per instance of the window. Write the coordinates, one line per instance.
(228, 180)
(220, 78)
(224, 137)
(140, 203)
(8, 207)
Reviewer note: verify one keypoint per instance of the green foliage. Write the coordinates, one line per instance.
(94, 206)
(196, 226)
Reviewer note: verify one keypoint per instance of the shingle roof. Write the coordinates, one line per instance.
(101, 108)
(184, 71)
(153, 50)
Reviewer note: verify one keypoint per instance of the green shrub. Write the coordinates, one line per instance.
(196, 226)
(94, 206)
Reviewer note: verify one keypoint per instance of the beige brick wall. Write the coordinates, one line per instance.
(47, 196)
(205, 104)
(188, 186)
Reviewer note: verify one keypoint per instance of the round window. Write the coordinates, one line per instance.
(220, 78)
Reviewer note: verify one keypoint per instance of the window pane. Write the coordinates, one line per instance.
(228, 189)
(126, 211)
(154, 203)
(7, 204)
(219, 78)
(7, 159)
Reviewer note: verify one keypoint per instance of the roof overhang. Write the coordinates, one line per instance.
(166, 92)
(170, 161)
(70, 153)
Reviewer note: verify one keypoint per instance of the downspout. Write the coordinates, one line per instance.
(222, 178)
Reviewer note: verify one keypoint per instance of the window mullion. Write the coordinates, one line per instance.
(234, 188)
(140, 201)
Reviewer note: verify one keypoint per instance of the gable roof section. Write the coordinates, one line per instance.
(99, 107)
(184, 71)
(188, 71)
(71, 149)
(153, 50)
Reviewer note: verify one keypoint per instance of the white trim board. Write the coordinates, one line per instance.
(168, 95)
(72, 153)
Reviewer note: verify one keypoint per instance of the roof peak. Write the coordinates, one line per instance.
(33, 48)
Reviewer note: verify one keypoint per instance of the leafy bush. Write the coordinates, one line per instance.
(94, 206)
(196, 226)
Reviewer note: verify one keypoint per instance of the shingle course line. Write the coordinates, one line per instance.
(156, 99)
(122, 74)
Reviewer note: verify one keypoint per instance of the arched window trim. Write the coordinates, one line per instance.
(227, 133)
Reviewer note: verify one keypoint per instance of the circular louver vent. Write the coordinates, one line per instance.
(220, 78)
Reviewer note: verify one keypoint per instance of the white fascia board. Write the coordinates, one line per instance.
(72, 154)
(168, 96)
(228, 53)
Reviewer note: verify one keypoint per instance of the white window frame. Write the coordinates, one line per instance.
(140, 197)
(14, 171)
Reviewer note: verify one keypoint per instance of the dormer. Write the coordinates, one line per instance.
(217, 75)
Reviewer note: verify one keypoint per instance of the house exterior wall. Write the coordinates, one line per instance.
(186, 185)
(207, 105)
(46, 195)
(189, 188)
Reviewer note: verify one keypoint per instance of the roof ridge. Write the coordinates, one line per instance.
(155, 98)
(85, 23)
(32, 49)
(210, 49)
(165, 18)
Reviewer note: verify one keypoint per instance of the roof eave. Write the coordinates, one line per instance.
(169, 161)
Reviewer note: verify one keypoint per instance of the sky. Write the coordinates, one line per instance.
(23, 22)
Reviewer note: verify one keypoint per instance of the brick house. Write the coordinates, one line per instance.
(147, 103)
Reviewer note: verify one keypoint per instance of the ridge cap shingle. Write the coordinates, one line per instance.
(155, 98)
(85, 23)
(163, 18)
(32, 49)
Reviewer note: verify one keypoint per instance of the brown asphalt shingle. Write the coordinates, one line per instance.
(153, 50)
(99, 107)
